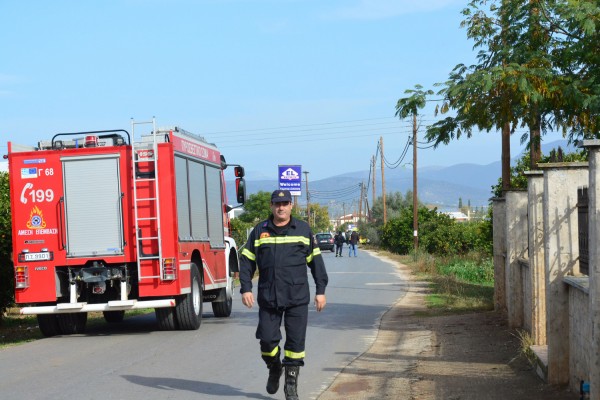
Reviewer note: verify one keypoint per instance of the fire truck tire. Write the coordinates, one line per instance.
(165, 318)
(48, 324)
(188, 308)
(114, 316)
(70, 324)
(223, 309)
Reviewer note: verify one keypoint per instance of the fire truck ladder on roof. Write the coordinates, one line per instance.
(146, 152)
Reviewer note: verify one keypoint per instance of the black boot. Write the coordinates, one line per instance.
(291, 382)
(275, 371)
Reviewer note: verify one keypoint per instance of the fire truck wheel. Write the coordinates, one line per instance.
(165, 318)
(70, 324)
(114, 316)
(223, 309)
(188, 309)
(48, 324)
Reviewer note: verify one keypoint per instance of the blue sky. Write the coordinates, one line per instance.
(309, 82)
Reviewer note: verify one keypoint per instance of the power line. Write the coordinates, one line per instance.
(340, 134)
(397, 163)
(299, 140)
(297, 126)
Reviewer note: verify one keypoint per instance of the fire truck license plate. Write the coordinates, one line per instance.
(37, 256)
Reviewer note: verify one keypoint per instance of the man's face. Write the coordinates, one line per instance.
(282, 212)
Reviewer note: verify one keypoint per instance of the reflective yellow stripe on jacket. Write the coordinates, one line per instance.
(250, 255)
(315, 252)
(282, 240)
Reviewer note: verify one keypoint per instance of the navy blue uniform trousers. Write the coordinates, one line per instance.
(269, 333)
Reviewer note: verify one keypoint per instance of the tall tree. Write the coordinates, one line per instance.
(257, 207)
(576, 28)
(319, 220)
(478, 94)
(513, 84)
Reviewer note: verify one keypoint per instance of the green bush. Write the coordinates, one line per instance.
(6, 266)
(238, 231)
(438, 234)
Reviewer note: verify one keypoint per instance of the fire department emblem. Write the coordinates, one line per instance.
(36, 219)
(264, 235)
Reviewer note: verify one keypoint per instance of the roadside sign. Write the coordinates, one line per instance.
(290, 178)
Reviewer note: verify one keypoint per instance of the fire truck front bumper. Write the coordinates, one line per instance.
(117, 305)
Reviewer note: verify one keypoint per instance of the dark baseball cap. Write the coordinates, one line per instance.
(279, 196)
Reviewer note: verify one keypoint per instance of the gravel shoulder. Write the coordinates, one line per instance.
(450, 357)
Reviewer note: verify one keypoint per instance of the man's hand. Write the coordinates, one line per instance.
(320, 302)
(248, 299)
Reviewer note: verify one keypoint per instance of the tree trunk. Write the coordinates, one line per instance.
(535, 143)
(506, 157)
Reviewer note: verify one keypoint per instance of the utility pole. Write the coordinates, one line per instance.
(415, 202)
(373, 184)
(383, 180)
(360, 202)
(307, 197)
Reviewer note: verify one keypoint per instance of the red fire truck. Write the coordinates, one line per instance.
(105, 221)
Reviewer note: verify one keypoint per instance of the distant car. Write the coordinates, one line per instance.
(325, 241)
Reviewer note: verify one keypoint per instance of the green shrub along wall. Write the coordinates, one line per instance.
(438, 234)
(6, 266)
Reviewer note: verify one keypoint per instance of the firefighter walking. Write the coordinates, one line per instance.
(282, 247)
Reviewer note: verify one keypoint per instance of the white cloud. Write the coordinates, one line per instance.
(382, 9)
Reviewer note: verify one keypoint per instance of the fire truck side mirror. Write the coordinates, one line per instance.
(240, 190)
(239, 171)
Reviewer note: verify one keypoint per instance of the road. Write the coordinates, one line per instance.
(221, 360)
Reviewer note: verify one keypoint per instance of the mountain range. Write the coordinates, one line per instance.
(438, 186)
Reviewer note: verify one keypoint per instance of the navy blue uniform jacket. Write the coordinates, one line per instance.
(281, 260)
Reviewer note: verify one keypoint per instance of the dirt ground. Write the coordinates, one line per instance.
(454, 357)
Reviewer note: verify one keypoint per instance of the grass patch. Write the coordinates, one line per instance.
(525, 343)
(458, 285)
(17, 329)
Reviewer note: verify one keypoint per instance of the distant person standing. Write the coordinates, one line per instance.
(352, 243)
(339, 240)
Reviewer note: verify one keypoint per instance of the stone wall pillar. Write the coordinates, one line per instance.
(561, 248)
(535, 190)
(516, 248)
(594, 262)
(499, 242)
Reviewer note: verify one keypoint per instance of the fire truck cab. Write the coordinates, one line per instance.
(105, 221)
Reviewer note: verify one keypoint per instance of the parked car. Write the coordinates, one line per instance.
(325, 241)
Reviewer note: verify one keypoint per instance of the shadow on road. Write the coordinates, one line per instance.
(208, 388)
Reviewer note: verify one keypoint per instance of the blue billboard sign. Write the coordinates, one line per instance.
(290, 178)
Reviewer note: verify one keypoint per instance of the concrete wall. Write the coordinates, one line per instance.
(527, 295)
(499, 238)
(561, 248)
(540, 286)
(536, 309)
(580, 332)
(516, 249)
(594, 263)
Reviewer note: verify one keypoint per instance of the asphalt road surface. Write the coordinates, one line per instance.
(221, 360)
